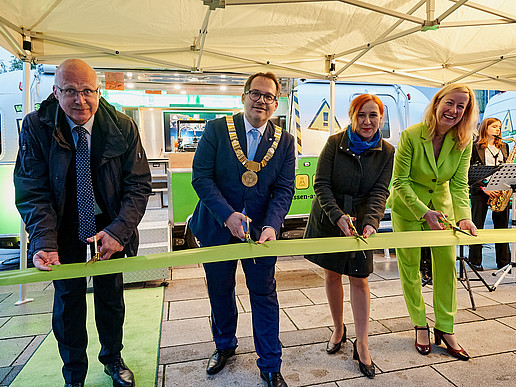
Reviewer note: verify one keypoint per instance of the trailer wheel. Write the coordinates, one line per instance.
(191, 241)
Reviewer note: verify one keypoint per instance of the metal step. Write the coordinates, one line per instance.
(152, 248)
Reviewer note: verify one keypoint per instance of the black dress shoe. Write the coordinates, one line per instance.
(80, 384)
(367, 370)
(122, 376)
(217, 361)
(332, 348)
(273, 379)
(477, 267)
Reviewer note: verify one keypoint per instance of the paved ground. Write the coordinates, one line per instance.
(487, 333)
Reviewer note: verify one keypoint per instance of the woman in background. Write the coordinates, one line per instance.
(351, 185)
(489, 149)
(430, 182)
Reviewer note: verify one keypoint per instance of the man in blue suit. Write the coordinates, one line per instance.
(244, 169)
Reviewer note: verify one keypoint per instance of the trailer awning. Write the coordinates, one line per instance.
(418, 42)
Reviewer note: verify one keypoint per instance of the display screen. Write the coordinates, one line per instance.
(189, 133)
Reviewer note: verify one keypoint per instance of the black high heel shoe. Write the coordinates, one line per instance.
(460, 354)
(367, 370)
(332, 348)
(422, 348)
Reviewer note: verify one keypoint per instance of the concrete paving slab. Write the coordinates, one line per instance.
(159, 376)
(180, 332)
(318, 295)
(504, 294)
(29, 350)
(11, 375)
(42, 304)
(311, 364)
(240, 370)
(3, 320)
(297, 264)
(298, 279)
(485, 337)
(4, 371)
(388, 307)
(11, 349)
(186, 289)
(32, 287)
(509, 321)
(190, 309)
(463, 299)
(373, 278)
(179, 272)
(495, 370)
(421, 377)
(245, 324)
(463, 316)
(398, 324)
(286, 298)
(305, 336)
(387, 269)
(27, 325)
(316, 316)
(199, 351)
(185, 353)
(495, 311)
(3, 296)
(395, 351)
(386, 288)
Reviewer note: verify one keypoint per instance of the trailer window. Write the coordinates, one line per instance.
(386, 128)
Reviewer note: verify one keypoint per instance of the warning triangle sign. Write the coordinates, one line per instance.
(321, 119)
(507, 129)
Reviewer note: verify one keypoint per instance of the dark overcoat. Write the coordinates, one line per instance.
(348, 183)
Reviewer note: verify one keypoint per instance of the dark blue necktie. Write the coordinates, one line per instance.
(85, 196)
(253, 144)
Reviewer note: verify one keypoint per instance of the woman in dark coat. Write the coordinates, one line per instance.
(352, 180)
(489, 149)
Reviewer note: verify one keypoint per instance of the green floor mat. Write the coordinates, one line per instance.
(142, 330)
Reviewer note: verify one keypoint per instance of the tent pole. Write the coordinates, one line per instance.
(23, 234)
(202, 38)
(332, 104)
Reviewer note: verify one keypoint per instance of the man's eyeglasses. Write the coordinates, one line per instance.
(255, 96)
(72, 93)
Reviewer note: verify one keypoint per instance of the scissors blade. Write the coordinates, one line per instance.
(462, 231)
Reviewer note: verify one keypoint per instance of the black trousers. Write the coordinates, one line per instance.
(69, 311)
(500, 220)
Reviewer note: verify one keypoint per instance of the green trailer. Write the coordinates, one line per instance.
(182, 200)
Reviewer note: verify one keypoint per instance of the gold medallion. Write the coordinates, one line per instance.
(249, 178)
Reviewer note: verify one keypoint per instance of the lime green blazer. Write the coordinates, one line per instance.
(420, 183)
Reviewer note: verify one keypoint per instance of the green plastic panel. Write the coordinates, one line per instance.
(9, 216)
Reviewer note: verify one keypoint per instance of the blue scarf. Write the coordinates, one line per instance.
(357, 145)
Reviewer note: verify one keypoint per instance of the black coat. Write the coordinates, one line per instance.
(120, 172)
(347, 183)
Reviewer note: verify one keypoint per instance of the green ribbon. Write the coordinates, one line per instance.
(247, 250)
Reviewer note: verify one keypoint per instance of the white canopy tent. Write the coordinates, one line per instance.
(418, 42)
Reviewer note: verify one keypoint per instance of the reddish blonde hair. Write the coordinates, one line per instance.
(357, 104)
(482, 133)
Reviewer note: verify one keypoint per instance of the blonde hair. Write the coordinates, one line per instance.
(465, 127)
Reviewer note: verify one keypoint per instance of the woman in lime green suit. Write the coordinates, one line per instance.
(430, 178)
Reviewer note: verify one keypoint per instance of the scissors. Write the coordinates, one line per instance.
(247, 236)
(449, 224)
(354, 230)
(96, 256)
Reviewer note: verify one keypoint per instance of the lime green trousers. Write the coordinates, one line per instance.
(444, 279)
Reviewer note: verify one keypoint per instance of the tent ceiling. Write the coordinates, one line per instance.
(419, 42)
